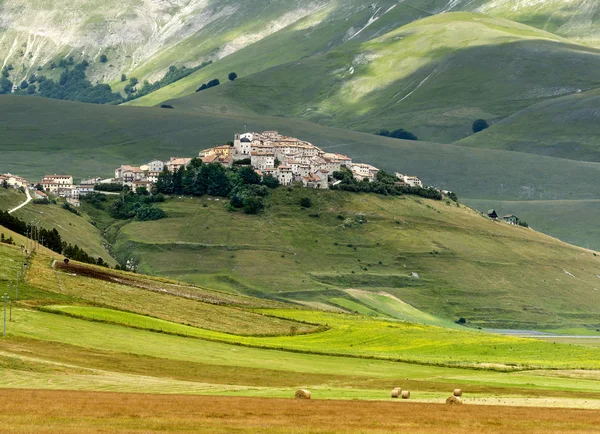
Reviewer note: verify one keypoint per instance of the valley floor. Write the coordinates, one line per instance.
(43, 412)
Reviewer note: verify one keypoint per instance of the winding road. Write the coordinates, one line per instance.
(24, 203)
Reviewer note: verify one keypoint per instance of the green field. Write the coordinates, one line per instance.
(370, 338)
(66, 335)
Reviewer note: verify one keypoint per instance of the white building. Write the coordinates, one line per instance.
(175, 163)
(14, 181)
(155, 166)
(285, 175)
(262, 160)
(363, 171)
(412, 181)
(61, 185)
(242, 145)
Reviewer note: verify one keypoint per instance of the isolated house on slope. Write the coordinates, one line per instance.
(511, 219)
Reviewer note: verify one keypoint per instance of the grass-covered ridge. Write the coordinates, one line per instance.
(431, 77)
(565, 127)
(441, 258)
(166, 301)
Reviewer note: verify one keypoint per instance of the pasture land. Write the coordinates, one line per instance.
(413, 257)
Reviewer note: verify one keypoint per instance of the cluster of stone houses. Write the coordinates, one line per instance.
(147, 174)
(13, 181)
(290, 160)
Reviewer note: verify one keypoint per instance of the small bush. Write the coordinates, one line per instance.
(480, 125)
(305, 202)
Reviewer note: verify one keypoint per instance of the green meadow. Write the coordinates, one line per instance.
(447, 261)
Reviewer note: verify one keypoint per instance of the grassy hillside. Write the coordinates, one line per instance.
(73, 229)
(430, 77)
(10, 198)
(464, 265)
(565, 127)
(574, 19)
(64, 336)
(101, 138)
(563, 219)
(91, 329)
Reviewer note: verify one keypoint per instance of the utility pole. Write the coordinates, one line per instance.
(5, 298)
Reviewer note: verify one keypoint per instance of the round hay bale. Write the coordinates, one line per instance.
(396, 392)
(405, 394)
(454, 400)
(302, 394)
(458, 392)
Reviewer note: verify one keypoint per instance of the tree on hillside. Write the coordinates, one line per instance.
(24, 84)
(248, 175)
(253, 205)
(400, 133)
(232, 76)
(480, 125)
(5, 85)
(133, 81)
(270, 181)
(165, 181)
(123, 78)
(103, 58)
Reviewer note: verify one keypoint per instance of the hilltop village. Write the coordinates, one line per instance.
(288, 159)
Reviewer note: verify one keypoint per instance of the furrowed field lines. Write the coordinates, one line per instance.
(358, 336)
(110, 347)
(166, 306)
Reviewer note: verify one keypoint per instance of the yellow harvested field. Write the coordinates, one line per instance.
(26, 411)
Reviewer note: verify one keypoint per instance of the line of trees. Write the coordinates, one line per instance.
(171, 76)
(241, 184)
(386, 184)
(73, 84)
(397, 134)
(50, 239)
(129, 205)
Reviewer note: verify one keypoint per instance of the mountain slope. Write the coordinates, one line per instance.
(145, 36)
(566, 127)
(574, 19)
(431, 77)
